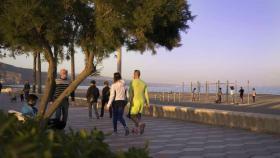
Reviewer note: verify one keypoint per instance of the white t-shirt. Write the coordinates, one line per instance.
(231, 92)
(117, 92)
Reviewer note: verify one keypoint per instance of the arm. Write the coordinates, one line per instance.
(112, 96)
(53, 93)
(72, 96)
(98, 94)
(88, 94)
(130, 92)
(147, 96)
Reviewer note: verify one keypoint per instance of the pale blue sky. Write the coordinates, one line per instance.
(229, 40)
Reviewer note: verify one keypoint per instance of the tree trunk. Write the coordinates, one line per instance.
(85, 73)
(73, 67)
(39, 77)
(119, 60)
(34, 72)
(49, 86)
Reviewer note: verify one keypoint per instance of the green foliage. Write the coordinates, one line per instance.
(29, 140)
(99, 25)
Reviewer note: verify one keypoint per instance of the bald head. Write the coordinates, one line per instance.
(63, 74)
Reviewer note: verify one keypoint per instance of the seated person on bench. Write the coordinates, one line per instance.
(29, 108)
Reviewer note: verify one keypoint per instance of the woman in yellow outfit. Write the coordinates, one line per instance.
(138, 93)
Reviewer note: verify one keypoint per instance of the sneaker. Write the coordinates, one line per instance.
(142, 128)
(115, 133)
(134, 131)
(126, 131)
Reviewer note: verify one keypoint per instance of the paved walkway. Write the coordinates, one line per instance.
(173, 138)
(263, 108)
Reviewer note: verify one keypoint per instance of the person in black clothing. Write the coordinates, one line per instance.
(0, 87)
(26, 89)
(92, 98)
(22, 96)
(105, 98)
(241, 91)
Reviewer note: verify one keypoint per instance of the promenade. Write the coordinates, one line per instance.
(172, 138)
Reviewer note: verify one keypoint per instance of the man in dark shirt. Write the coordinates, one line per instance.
(0, 87)
(60, 85)
(105, 98)
(26, 89)
(241, 91)
(92, 98)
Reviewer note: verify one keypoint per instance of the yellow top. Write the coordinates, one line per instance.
(138, 94)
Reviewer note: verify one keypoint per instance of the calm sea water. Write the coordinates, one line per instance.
(259, 90)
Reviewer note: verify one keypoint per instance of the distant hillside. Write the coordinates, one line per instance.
(10, 74)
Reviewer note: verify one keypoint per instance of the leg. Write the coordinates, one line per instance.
(120, 115)
(65, 107)
(115, 115)
(102, 108)
(95, 110)
(58, 113)
(111, 111)
(90, 110)
(135, 120)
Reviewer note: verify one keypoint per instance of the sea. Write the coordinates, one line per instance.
(179, 88)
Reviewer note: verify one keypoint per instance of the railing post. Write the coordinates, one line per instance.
(248, 91)
(227, 90)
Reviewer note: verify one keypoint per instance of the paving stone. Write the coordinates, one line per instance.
(172, 138)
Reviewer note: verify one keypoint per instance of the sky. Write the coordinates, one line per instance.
(228, 40)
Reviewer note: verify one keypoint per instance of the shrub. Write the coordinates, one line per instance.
(29, 140)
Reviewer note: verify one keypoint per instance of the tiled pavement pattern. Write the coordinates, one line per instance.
(172, 138)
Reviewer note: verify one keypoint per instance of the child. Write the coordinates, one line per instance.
(29, 108)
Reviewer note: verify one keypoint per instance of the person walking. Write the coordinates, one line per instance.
(232, 94)
(61, 84)
(92, 98)
(1, 86)
(254, 95)
(105, 99)
(220, 93)
(138, 96)
(118, 102)
(193, 94)
(241, 92)
(26, 89)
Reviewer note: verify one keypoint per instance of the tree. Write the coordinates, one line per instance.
(98, 27)
(34, 72)
(39, 73)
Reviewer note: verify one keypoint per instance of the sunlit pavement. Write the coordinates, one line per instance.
(172, 138)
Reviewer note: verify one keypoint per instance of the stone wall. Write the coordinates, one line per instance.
(250, 121)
